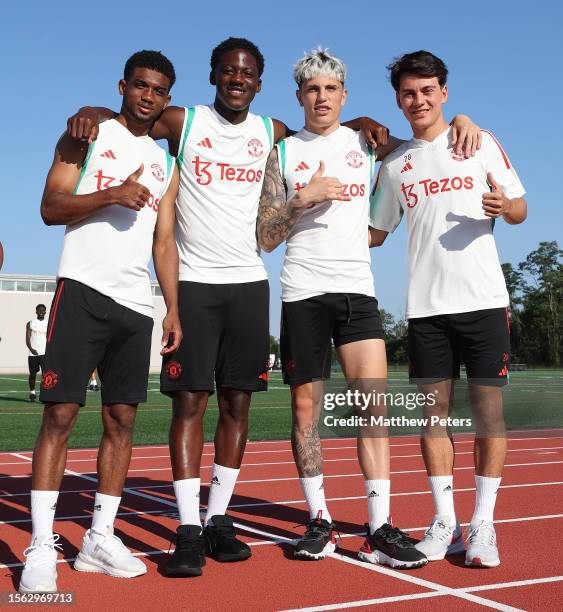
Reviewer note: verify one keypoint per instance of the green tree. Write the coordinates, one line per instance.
(274, 346)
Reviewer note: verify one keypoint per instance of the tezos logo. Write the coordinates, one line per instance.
(354, 159)
(158, 173)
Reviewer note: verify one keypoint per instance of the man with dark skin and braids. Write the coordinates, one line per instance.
(223, 298)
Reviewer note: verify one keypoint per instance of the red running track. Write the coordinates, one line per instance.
(268, 504)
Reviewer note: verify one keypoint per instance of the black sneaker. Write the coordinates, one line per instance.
(318, 540)
(32, 397)
(390, 546)
(221, 543)
(189, 556)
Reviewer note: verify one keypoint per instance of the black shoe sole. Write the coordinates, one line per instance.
(229, 558)
(184, 571)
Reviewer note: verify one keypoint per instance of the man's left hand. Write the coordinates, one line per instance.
(374, 133)
(495, 203)
(171, 333)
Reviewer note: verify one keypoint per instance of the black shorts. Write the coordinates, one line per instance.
(226, 338)
(35, 362)
(480, 339)
(88, 330)
(308, 326)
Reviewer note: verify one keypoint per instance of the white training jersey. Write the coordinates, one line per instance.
(327, 249)
(221, 174)
(38, 336)
(110, 250)
(452, 257)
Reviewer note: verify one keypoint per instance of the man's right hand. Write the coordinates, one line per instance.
(34, 352)
(320, 189)
(131, 194)
(84, 125)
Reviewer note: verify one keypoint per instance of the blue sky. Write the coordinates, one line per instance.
(506, 72)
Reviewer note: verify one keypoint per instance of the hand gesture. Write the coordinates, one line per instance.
(130, 193)
(83, 125)
(495, 203)
(374, 133)
(321, 188)
(171, 334)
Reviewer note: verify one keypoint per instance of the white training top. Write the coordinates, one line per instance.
(452, 257)
(110, 250)
(38, 336)
(221, 174)
(327, 249)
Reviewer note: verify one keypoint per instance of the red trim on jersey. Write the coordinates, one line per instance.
(507, 320)
(501, 150)
(55, 309)
(376, 181)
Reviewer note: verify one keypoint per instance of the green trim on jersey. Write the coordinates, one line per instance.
(281, 150)
(83, 170)
(188, 120)
(169, 170)
(268, 125)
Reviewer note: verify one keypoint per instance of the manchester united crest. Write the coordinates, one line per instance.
(255, 147)
(49, 380)
(158, 173)
(173, 370)
(354, 159)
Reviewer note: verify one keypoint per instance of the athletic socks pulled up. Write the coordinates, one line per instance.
(43, 506)
(187, 498)
(223, 480)
(485, 498)
(313, 490)
(378, 493)
(105, 511)
(442, 488)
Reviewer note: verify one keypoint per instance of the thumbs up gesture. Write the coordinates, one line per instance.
(131, 194)
(495, 203)
(320, 189)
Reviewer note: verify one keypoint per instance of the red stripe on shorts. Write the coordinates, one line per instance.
(55, 308)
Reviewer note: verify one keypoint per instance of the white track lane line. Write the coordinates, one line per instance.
(203, 467)
(383, 600)
(510, 450)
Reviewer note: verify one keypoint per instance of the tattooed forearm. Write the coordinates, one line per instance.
(275, 217)
(307, 451)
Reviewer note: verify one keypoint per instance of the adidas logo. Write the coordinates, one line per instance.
(373, 494)
(54, 506)
(205, 143)
(406, 168)
(302, 166)
(321, 488)
(109, 154)
(215, 481)
(448, 488)
(98, 507)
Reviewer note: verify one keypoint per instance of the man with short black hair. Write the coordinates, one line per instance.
(36, 339)
(457, 299)
(116, 198)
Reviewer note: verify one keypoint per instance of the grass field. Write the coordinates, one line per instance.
(533, 400)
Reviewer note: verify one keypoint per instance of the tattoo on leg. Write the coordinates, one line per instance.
(307, 450)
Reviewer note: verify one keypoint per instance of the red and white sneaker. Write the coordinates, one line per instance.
(482, 550)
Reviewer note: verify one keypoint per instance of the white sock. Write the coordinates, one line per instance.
(32, 392)
(443, 493)
(43, 506)
(314, 491)
(187, 498)
(105, 510)
(485, 498)
(223, 480)
(379, 496)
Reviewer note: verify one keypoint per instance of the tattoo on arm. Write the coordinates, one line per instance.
(307, 451)
(275, 218)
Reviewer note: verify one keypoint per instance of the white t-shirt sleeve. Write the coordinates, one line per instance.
(385, 211)
(497, 163)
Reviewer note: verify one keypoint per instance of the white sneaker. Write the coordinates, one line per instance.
(441, 539)
(40, 571)
(482, 550)
(106, 553)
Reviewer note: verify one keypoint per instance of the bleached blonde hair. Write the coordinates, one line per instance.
(319, 61)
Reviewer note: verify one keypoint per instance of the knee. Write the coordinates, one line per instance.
(188, 406)
(57, 422)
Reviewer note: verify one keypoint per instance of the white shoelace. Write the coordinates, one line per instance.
(439, 531)
(483, 534)
(37, 554)
(111, 545)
